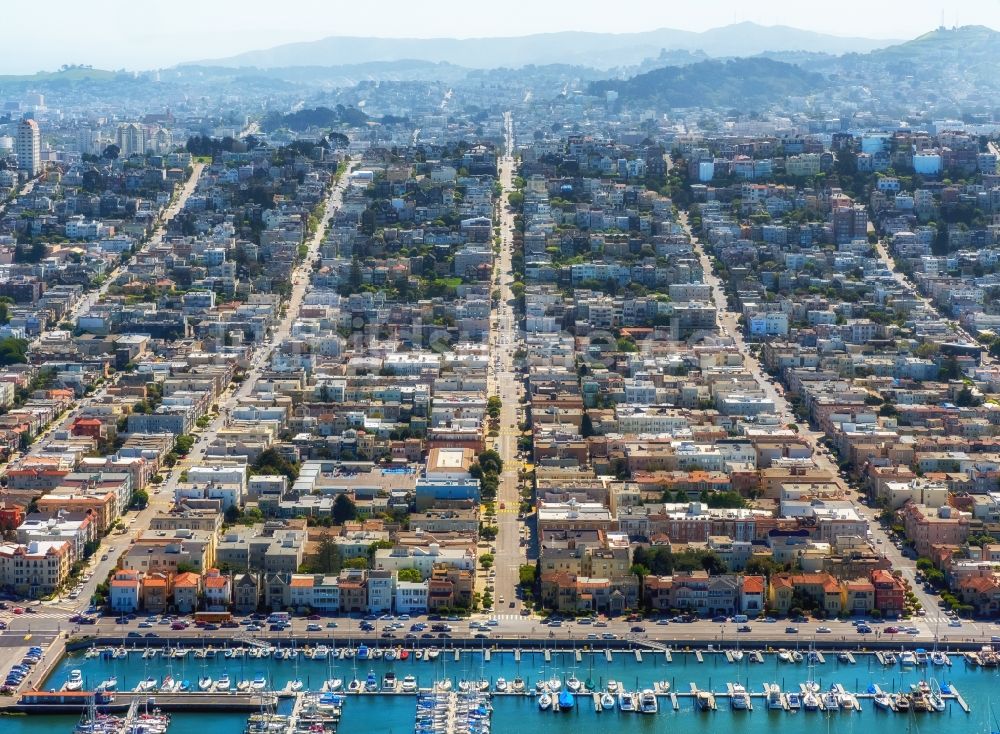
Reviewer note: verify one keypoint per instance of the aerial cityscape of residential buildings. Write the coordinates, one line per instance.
(501, 345)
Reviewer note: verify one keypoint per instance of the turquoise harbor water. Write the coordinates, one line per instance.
(367, 714)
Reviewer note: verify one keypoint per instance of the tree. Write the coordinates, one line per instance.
(112, 152)
(328, 557)
(183, 444)
(13, 351)
(140, 498)
(486, 560)
(272, 462)
(490, 461)
(526, 574)
(409, 574)
(344, 509)
(358, 563)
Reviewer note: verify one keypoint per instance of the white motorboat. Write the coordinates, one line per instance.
(830, 701)
(647, 702)
(74, 682)
(443, 685)
(774, 696)
(295, 685)
(501, 685)
(907, 659)
(409, 684)
(939, 658)
(883, 701)
(108, 684)
(259, 683)
(243, 685)
(518, 684)
(625, 701)
(545, 701)
(740, 699)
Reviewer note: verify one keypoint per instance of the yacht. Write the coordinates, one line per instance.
(354, 686)
(774, 696)
(223, 684)
(921, 657)
(626, 702)
(613, 686)
(443, 685)
(75, 681)
(545, 702)
(259, 683)
(737, 656)
(705, 700)
(740, 699)
(902, 702)
(647, 702)
(146, 685)
(295, 685)
(794, 701)
(796, 656)
(830, 701)
(108, 684)
(607, 701)
(518, 684)
(389, 681)
(784, 656)
(907, 659)
(371, 683)
(205, 683)
(501, 685)
(554, 684)
(939, 658)
(573, 683)
(334, 684)
(243, 685)
(883, 701)
(409, 684)
(363, 653)
(810, 701)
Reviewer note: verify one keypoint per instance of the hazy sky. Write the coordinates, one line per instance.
(115, 34)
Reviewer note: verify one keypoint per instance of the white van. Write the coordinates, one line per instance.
(740, 618)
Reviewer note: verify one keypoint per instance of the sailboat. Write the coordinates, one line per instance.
(333, 684)
(607, 701)
(566, 700)
(545, 701)
(223, 683)
(205, 683)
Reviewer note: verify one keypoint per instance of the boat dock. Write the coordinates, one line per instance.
(698, 656)
(756, 656)
(959, 700)
(850, 658)
(607, 655)
(819, 657)
(638, 656)
(486, 655)
(668, 656)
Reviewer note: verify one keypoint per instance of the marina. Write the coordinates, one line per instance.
(303, 691)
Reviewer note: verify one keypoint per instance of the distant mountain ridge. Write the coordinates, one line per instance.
(597, 50)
